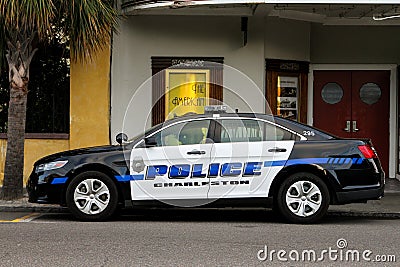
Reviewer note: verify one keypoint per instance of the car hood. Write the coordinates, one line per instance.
(80, 151)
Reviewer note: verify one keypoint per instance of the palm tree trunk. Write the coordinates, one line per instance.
(19, 56)
(14, 165)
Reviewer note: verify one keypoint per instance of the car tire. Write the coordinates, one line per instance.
(92, 196)
(303, 198)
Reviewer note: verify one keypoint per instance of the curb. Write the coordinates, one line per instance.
(33, 209)
(365, 214)
(59, 209)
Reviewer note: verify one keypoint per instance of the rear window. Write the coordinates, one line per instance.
(309, 132)
(249, 130)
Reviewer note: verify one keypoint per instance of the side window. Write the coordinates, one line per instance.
(249, 130)
(273, 133)
(241, 131)
(185, 133)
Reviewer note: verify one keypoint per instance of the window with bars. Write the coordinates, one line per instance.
(48, 92)
(162, 67)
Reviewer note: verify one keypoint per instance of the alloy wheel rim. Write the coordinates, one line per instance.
(91, 196)
(303, 198)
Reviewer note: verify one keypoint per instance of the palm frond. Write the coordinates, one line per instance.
(88, 24)
(91, 24)
(28, 15)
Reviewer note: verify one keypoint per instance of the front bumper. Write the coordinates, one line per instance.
(41, 188)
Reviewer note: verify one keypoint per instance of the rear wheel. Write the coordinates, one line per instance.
(303, 198)
(92, 196)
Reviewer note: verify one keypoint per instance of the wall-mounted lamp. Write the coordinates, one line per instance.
(180, 4)
(383, 16)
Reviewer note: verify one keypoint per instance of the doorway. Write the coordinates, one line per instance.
(354, 104)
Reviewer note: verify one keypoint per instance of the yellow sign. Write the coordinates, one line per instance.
(187, 91)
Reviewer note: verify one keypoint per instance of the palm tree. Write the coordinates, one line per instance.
(88, 25)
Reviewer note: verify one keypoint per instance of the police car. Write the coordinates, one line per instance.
(215, 159)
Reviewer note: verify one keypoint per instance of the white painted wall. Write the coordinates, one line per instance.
(355, 44)
(287, 39)
(142, 37)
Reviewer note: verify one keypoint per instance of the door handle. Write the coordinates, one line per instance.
(347, 129)
(355, 129)
(277, 149)
(196, 152)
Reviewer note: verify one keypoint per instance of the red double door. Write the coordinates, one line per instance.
(354, 104)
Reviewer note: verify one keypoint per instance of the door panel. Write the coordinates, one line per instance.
(332, 117)
(176, 167)
(364, 105)
(255, 158)
(169, 172)
(372, 118)
(246, 155)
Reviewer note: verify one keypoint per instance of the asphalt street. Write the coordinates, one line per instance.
(162, 237)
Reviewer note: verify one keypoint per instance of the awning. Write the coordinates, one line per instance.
(333, 12)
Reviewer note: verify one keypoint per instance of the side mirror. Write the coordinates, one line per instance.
(121, 137)
(150, 141)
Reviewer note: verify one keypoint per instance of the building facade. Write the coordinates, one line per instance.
(329, 65)
(333, 66)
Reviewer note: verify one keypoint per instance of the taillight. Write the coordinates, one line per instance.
(367, 151)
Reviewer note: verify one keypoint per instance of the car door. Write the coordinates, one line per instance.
(249, 153)
(175, 166)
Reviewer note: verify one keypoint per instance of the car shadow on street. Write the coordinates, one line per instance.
(201, 215)
(179, 215)
(209, 215)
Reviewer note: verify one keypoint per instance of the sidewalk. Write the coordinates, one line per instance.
(387, 207)
(22, 205)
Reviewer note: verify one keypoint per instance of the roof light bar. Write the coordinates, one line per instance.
(215, 109)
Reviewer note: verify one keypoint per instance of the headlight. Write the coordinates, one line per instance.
(51, 165)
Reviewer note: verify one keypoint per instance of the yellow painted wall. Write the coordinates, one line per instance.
(90, 102)
(3, 147)
(34, 150)
(89, 114)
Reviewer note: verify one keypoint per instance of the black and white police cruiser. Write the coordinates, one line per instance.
(214, 159)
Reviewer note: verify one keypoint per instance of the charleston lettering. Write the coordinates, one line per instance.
(194, 184)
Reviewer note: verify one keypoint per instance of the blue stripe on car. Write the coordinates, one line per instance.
(59, 180)
(275, 163)
(127, 178)
(330, 161)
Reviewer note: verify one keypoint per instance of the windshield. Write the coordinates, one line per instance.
(147, 132)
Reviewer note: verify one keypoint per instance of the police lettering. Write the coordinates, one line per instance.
(181, 171)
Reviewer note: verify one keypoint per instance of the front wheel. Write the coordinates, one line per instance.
(303, 198)
(92, 196)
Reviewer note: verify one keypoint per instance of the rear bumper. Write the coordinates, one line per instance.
(365, 186)
(363, 193)
(360, 195)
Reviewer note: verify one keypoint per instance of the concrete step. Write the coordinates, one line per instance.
(392, 185)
